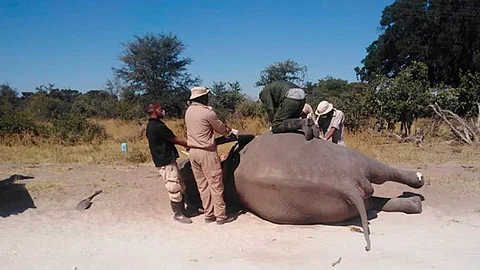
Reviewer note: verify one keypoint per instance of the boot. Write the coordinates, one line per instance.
(190, 207)
(303, 124)
(227, 220)
(177, 208)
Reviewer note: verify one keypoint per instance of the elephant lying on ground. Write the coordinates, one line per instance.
(287, 180)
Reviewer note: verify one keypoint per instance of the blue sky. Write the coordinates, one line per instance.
(74, 44)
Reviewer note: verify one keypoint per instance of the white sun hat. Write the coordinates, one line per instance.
(198, 91)
(324, 107)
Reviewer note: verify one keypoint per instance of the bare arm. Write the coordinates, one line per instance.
(335, 124)
(330, 133)
(180, 141)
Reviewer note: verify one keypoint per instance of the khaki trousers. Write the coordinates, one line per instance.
(207, 170)
(173, 182)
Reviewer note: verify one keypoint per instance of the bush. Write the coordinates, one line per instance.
(66, 130)
(463, 99)
(71, 130)
(18, 124)
(250, 108)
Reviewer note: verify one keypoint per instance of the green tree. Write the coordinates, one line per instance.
(49, 102)
(404, 97)
(8, 99)
(357, 103)
(251, 108)
(287, 70)
(463, 99)
(154, 67)
(226, 97)
(96, 103)
(444, 34)
(329, 88)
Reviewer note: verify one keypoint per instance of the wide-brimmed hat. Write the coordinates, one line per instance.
(198, 92)
(324, 107)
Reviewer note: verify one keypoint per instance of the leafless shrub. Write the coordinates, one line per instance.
(466, 131)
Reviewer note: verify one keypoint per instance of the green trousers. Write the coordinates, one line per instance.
(289, 108)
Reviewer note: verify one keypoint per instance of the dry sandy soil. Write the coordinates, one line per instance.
(130, 226)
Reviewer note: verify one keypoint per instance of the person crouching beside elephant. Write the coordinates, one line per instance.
(331, 122)
(161, 141)
(202, 123)
(284, 102)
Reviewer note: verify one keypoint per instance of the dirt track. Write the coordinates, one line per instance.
(129, 226)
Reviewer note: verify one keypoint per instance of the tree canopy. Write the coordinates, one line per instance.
(8, 99)
(154, 67)
(404, 97)
(287, 70)
(443, 34)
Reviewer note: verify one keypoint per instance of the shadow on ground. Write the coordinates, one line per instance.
(14, 197)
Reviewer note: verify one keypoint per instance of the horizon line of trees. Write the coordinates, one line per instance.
(428, 52)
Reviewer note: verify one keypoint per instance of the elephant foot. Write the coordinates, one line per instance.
(413, 205)
(407, 205)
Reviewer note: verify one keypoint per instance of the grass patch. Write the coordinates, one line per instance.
(108, 150)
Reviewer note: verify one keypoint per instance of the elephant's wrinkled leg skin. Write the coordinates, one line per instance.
(410, 205)
(383, 174)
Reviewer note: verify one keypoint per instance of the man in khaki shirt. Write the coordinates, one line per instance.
(202, 123)
(330, 121)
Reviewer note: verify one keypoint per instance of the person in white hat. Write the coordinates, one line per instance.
(202, 123)
(331, 122)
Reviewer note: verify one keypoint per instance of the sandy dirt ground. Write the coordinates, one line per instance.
(130, 226)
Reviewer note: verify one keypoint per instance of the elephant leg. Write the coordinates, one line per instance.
(379, 173)
(410, 205)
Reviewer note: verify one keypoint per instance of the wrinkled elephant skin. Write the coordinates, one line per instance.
(287, 180)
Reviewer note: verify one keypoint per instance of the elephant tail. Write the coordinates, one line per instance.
(357, 200)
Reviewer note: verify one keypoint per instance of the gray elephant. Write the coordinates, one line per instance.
(285, 179)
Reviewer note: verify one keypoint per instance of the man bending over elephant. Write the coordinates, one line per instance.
(284, 102)
(330, 121)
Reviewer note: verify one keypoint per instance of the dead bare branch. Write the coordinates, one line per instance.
(478, 118)
(436, 108)
(418, 140)
(393, 135)
(469, 134)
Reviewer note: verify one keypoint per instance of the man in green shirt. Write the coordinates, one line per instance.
(284, 102)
